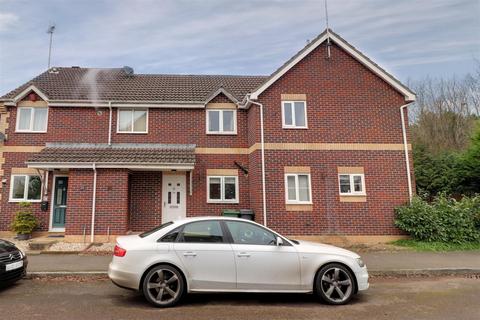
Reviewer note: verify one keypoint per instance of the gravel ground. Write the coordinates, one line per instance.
(101, 248)
(22, 245)
(67, 247)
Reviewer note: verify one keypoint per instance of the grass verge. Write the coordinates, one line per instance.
(436, 246)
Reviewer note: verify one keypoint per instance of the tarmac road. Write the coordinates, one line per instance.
(97, 298)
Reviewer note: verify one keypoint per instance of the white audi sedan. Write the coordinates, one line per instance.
(220, 254)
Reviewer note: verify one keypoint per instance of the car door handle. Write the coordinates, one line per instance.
(243, 255)
(189, 254)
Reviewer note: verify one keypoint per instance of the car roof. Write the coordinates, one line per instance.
(202, 218)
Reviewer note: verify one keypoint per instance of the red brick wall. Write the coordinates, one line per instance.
(184, 126)
(64, 125)
(8, 209)
(197, 203)
(346, 102)
(111, 201)
(385, 184)
(146, 200)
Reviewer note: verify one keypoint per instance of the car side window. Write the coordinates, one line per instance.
(171, 236)
(208, 231)
(248, 233)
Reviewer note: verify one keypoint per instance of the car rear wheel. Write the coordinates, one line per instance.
(335, 284)
(163, 286)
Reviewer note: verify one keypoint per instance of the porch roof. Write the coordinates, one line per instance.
(120, 155)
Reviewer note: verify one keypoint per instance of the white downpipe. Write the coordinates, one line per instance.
(405, 146)
(262, 143)
(110, 123)
(92, 234)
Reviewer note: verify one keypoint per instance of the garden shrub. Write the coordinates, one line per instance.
(24, 221)
(443, 220)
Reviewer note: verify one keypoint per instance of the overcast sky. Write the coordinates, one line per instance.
(411, 39)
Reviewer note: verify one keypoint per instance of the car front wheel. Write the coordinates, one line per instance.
(163, 286)
(335, 284)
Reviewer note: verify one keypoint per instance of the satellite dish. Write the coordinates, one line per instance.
(128, 70)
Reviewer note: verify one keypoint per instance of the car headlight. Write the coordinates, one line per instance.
(360, 262)
(22, 254)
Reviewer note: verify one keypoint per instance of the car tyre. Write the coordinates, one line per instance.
(335, 284)
(163, 286)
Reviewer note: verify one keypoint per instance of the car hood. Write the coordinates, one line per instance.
(315, 247)
(6, 246)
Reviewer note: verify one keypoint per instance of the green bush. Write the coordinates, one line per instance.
(443, 220)
(24, 221)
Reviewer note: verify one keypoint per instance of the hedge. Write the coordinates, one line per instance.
(442, 220)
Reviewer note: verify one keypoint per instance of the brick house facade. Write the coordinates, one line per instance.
(334, 152)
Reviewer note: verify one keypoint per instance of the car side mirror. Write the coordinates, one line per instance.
(279, 241)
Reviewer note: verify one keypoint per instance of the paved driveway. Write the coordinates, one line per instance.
(403, 298)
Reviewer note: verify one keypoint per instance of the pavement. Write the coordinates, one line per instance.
(400, 262)
(388, 298)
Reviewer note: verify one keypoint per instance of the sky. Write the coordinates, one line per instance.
(410, 39)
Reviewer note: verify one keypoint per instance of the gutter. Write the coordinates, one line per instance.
(92, 233)
(405, 146)
(262, 142)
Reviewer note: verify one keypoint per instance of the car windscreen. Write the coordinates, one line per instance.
(149, 232)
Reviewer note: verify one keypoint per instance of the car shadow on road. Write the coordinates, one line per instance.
(6, 287)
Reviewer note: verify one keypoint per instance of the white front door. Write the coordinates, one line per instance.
(174, 197)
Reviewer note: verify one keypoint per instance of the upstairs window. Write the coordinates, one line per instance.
(132, 121)
(351, 184)
(221, 121)
(25, 188)
(294, 114)
(298, 190)
(32, 119)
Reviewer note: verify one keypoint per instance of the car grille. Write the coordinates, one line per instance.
(10, 257)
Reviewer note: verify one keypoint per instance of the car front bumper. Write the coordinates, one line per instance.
(122, 278)
(362, 279)
(7, 277)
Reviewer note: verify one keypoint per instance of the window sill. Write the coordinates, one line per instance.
(298, 207)
(122, 132)
(222, 202)
(293, 128)
(353, 198)
(222, 133)
(16, 131)
(21, 200)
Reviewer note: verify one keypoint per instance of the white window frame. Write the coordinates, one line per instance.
(25, 191)
(132, 131)
(32, 116)
(222, 190)
(297, 189)
(293, 125)
(221, 131)
(352, 185)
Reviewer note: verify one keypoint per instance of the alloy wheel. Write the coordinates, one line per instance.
(163, 286)
(336, 284)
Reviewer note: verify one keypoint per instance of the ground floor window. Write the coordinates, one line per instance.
(298, 190)
(25, 188)
(222, 189)
(351, 184)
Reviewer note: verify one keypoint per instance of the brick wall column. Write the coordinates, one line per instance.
(112, 202)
